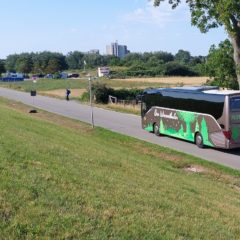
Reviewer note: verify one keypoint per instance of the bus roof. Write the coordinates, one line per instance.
(181, 89)
(192, 89)
(222, 92)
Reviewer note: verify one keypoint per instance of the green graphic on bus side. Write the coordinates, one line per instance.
(204, 132)
(189, 119)
(235, 133)
(149, 127)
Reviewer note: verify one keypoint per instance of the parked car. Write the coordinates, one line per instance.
(49, 75)
(73, 75)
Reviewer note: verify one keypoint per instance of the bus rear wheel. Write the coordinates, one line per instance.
(199, 140)
(156, 130)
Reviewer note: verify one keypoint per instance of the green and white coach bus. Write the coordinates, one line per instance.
(204, 115)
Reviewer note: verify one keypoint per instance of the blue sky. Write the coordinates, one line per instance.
(68, 25)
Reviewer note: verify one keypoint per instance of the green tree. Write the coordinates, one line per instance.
(153, 61)
(101, 92)
(163, 56)
(93, 60)
(75, 60)
(54, 65)
(24, 63)
(10, 63)
(183, 57)
(49, 62)
(177, 69)
(220, 65)
(2, 67)
(207, 14)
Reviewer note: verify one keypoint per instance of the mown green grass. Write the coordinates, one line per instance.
(52, 84)
(46, 84)
(59, 179)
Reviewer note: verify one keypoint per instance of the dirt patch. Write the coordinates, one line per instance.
(62, 93)
(195, 169)
(169, 80)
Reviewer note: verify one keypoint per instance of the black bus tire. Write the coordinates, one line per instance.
(156, 129)
(199, 140)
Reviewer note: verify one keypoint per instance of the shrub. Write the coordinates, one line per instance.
(177, 69)
(101, 92)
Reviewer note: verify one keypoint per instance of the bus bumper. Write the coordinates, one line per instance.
(232, 145)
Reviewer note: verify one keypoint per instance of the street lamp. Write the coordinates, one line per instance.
(33, 93)
(90, 98)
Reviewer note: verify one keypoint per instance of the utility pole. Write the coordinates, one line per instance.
(90, 98)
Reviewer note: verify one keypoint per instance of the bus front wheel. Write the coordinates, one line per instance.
(156, 130)
(199, 140)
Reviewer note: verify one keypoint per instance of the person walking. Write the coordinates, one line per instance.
(68, 92)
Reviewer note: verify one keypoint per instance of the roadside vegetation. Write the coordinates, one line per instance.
(61, 179)
(125, 90)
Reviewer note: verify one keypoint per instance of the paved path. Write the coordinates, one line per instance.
(123, 123)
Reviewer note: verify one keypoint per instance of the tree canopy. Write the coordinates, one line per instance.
(134, 64)
(220, 65)
(44, 62)
(2, 67)
(207, 14)
(183, 56)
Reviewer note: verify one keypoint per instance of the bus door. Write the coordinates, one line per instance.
(235, 119)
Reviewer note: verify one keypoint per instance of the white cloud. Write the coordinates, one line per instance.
(158, 16)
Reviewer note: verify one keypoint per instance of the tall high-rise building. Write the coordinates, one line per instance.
(117, 50)
(93, 51)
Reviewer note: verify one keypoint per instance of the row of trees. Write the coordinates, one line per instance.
(44, 62)
(151, 63)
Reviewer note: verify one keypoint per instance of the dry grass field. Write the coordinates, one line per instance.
(131, 83)
(170, 80)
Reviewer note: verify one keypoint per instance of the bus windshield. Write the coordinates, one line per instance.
(235, 103)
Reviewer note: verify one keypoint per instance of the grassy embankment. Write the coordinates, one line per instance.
(60, 179)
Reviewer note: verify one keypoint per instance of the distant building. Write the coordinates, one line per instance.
(93, 51)
(117, 50)
(103, 71)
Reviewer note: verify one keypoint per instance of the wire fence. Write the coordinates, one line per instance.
(124, 103)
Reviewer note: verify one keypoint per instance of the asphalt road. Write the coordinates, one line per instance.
(127, 124)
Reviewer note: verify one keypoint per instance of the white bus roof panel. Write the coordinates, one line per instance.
(222, 92)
